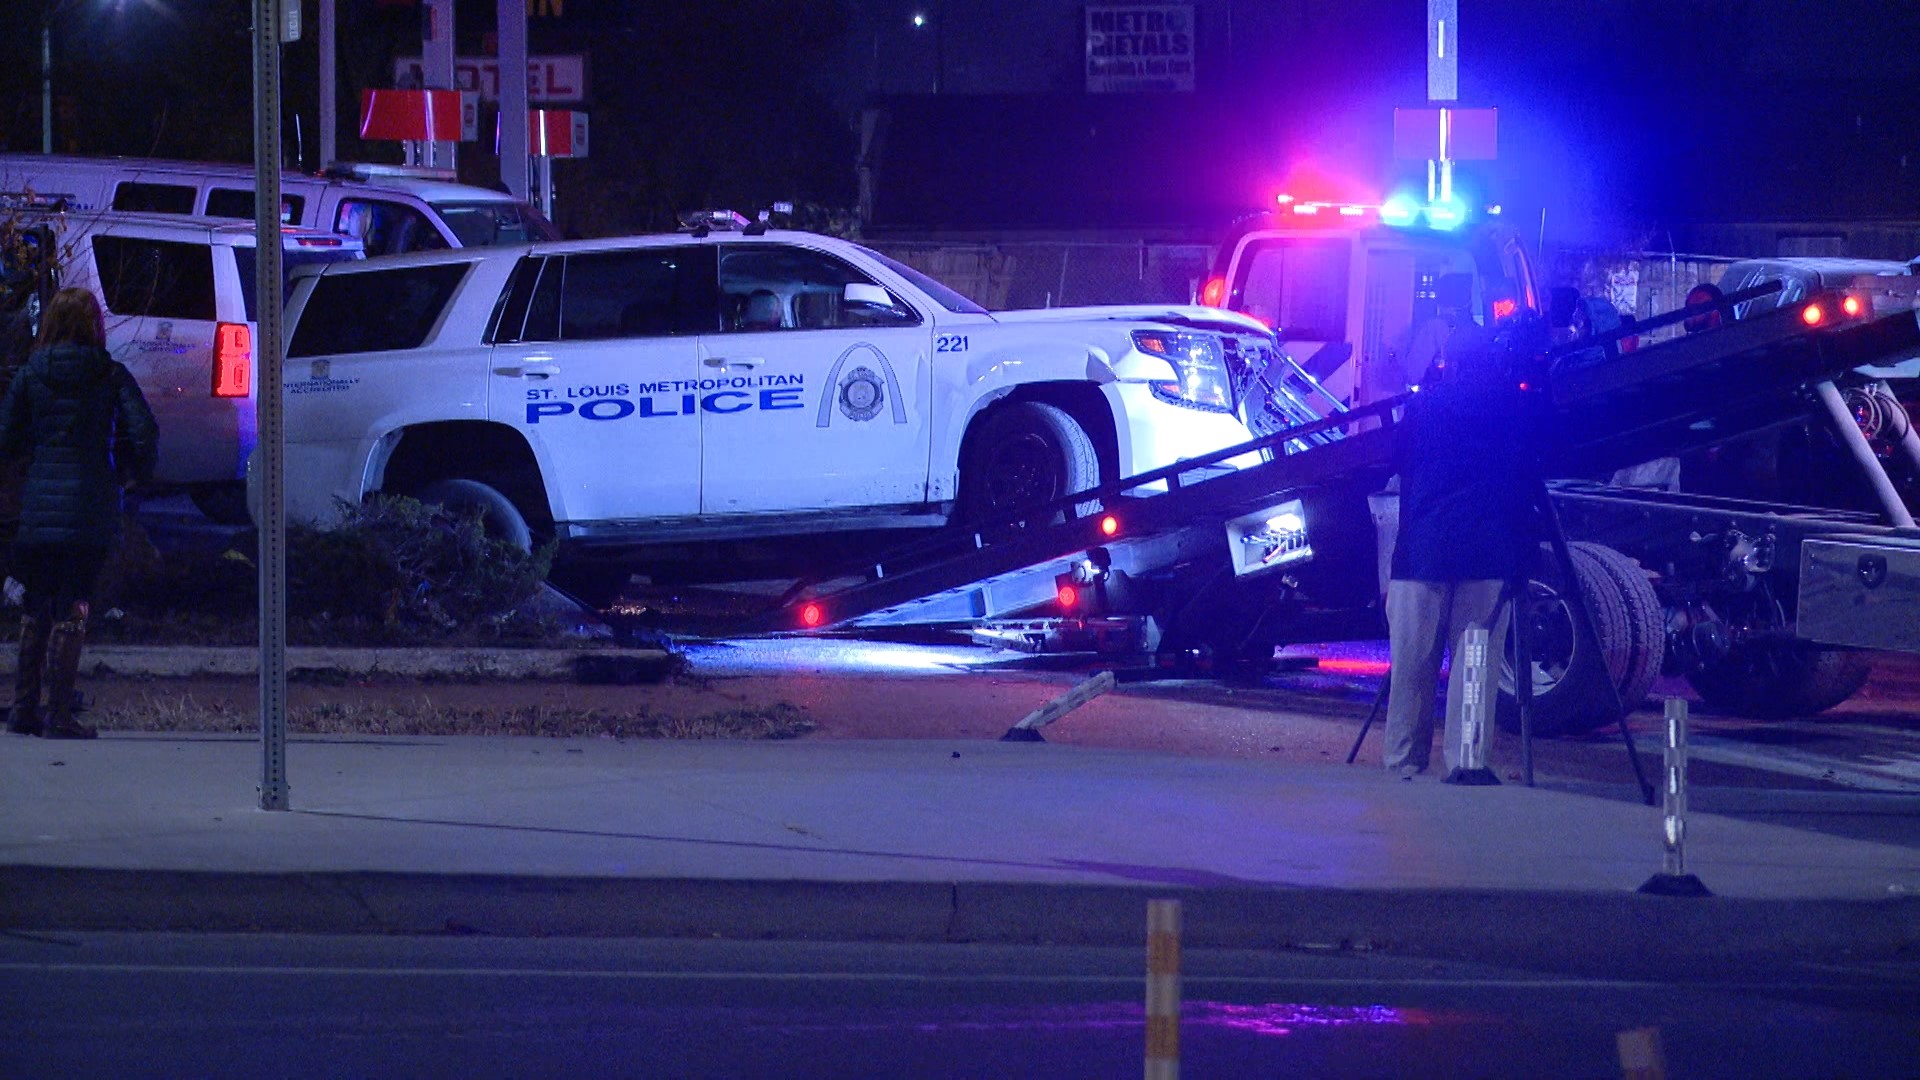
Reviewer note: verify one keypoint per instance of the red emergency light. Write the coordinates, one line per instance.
(812, 615)
(1109, 525)
(1214, 292)
(1852, 306)
(1813, 315)
(1068, 596)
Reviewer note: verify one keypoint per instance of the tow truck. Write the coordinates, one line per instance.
(1764, 607)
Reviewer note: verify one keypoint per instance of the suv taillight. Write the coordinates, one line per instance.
(232, 360)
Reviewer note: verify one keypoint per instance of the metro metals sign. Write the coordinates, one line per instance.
(1139, 48)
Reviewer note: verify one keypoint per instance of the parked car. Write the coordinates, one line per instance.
(181, 314)
(390, 209)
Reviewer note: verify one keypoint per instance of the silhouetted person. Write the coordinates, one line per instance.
(1467, 483)
(81, 417)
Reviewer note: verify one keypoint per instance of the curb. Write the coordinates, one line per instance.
(1620, 930)
(582, 665)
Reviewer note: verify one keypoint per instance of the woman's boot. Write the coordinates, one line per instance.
(24, 717)
(63, 667)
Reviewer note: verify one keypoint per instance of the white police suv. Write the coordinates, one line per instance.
(660, 399)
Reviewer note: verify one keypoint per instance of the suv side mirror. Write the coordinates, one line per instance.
(859, 292)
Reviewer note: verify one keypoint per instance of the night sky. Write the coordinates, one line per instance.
(1616, 115)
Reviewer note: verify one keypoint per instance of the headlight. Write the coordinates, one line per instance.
(1200, 376)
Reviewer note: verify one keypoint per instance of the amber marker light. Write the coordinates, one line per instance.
(1109, 526)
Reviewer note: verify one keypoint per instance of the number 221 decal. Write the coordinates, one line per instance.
(950, 343)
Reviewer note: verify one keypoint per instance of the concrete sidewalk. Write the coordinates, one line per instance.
(892, 841)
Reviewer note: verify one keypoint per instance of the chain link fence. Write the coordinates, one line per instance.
(1047, 274)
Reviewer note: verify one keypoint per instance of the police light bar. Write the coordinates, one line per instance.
(1400, 211)
(718, 220)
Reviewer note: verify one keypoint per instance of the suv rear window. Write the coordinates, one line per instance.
(163, 279)
(378, 311)
(163, 198)
(238, 203)
(291, 259)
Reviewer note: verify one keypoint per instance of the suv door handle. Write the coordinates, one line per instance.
(734, 361)
(528, 371)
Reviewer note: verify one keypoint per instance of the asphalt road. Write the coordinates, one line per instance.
(211, 1005)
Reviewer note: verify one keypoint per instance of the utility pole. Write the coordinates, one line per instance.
(329, 90)
(46, 76)
(268, 24)
(1443, 88)
(512, 36)
(436, 70)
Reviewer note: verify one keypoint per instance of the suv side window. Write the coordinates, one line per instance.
(377, 311)
(162, 198)
(386, 228)
(776, 287)
(162, 279)
(637, 292)
(238, 203)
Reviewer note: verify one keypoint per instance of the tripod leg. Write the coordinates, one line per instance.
(1522, 615)
(1584, 624)
(1379, 702)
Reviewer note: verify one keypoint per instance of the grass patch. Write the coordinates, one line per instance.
(183, 713)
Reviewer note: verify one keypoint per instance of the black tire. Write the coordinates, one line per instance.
(1022, 455)
(502, 520)
(1646, 622)
(222, 504)
(1777, 680)
(1568, 698)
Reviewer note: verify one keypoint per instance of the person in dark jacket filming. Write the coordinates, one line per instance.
(1467, 481)
(79, 415)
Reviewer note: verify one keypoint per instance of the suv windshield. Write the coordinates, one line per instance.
(495, 223)
(291, 258)
(943, 295)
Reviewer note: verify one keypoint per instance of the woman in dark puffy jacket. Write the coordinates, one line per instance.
(82, 418)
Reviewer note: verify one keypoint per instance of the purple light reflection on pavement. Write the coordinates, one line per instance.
(1274, 1019)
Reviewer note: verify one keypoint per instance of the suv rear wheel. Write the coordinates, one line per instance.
(502, 520)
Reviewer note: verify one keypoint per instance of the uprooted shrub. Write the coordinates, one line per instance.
(393, 570)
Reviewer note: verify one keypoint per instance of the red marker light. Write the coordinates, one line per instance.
(232, 360)
(1813, 315)
(1504, 309)
(1068, 596)
(1214, 292)
(1109, 526)
(812, 616)
(1852, 306)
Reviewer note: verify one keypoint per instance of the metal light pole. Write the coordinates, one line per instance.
(46, 77)
(268, 26)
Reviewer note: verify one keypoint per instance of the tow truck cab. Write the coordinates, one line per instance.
(1347, 287)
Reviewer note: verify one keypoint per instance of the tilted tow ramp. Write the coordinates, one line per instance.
(1284, 549)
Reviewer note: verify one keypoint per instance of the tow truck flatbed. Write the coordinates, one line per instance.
(1203, 558)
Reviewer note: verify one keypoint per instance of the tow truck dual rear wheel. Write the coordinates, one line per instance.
(1568, 698)
(1021, 455)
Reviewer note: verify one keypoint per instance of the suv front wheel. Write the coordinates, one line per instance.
(1024, 454)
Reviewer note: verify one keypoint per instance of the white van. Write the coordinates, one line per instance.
(390, 209)
(181, 313)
